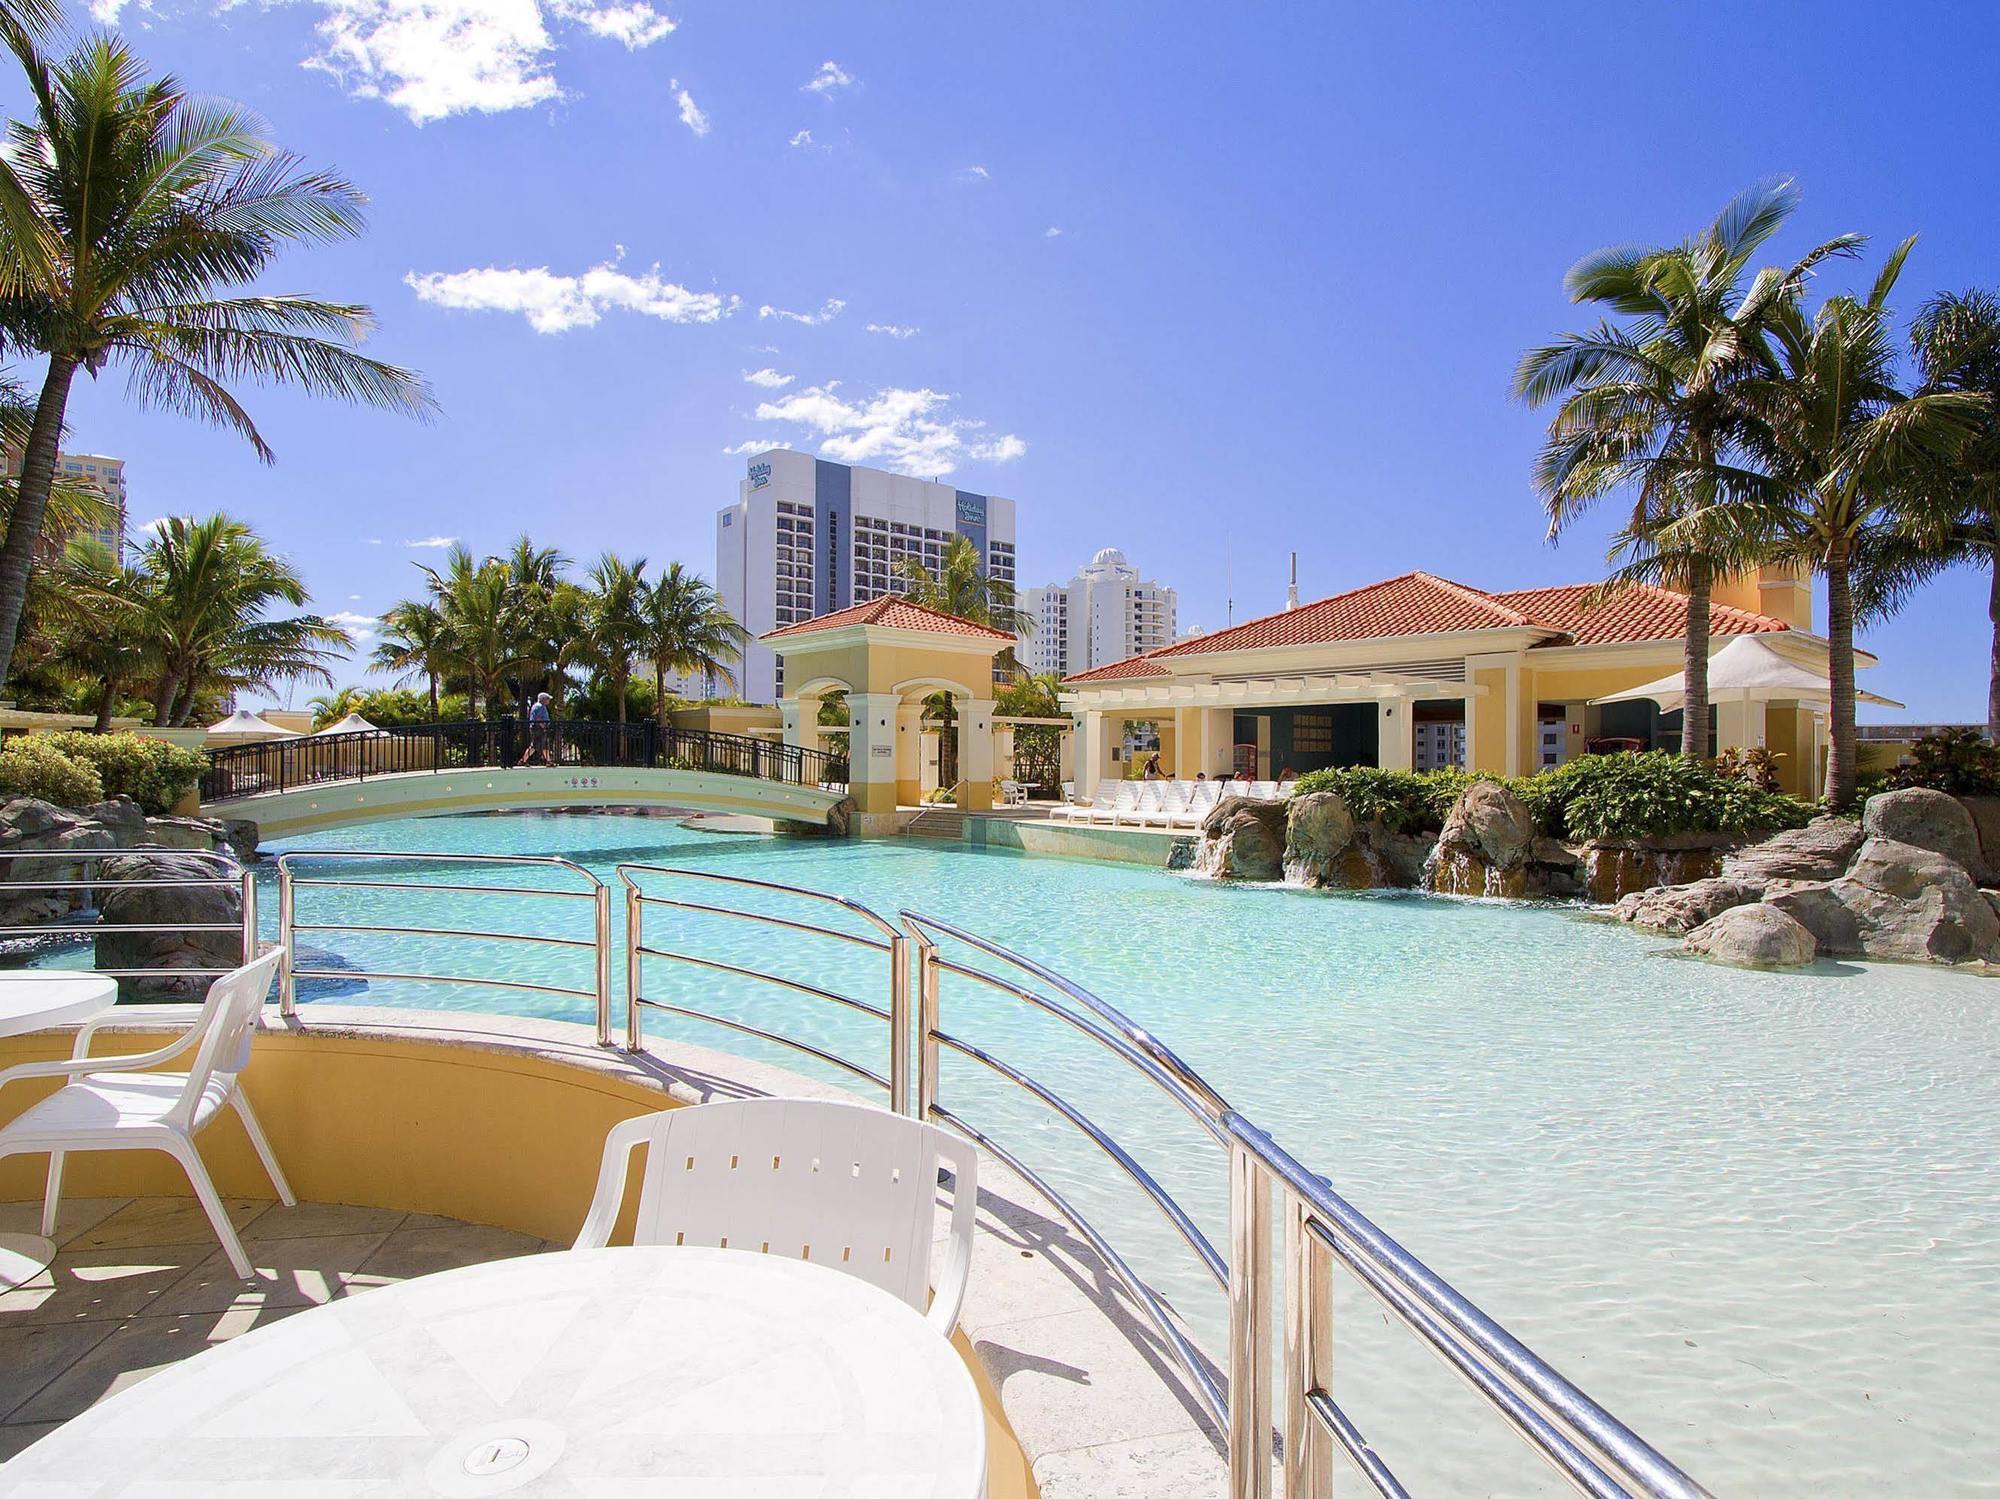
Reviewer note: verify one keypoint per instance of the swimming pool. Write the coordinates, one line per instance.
(1756, 1215)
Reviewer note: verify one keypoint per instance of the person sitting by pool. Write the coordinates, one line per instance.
(1287, 776)
(1201, 775)
(1153, 771)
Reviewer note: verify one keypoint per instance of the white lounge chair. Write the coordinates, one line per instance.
(1122, 802)
(1106, 791)
(1173, 800)
(843, 1185)
(122, 1103)
(1202, 800)
(1146, 799)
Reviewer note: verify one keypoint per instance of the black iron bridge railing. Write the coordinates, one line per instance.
(285, 764)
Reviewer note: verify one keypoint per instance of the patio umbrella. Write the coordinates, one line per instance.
(1746, 670)
(243, 726)
(354, 723)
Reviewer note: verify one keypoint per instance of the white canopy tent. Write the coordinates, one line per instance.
(1746, 670)
(354, 723)
(244, 727)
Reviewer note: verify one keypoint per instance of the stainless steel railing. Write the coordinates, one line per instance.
(588, 888)
(85, 885)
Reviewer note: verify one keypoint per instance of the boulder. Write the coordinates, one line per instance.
(1898, 901)
(1818, 851)
(1682, 908)
(174, 906)
(1244, 839)
(1927, 819)
(1400, 858)
(203, 834)
(1756, 935)
(1319, 832)
(28, 825)
(1492, 822)
(1985, 814)
(120, 817)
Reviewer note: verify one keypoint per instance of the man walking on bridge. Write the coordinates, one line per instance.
(538, 733)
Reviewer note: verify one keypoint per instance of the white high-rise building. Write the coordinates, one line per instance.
(93, 471)
(807, 536)
(1104, 614)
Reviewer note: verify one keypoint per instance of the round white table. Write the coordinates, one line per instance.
(697, 1373)
(37, 1002)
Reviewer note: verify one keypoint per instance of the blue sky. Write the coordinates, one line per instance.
(1205, 284)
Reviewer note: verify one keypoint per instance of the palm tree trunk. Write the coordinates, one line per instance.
(1840, 767)
(1694, 665)
(660, 689)
(436, 711)
(31, 503)
(106, 700)
(1993, 663)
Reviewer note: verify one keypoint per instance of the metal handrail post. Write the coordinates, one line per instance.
(899, 1025)
(249, 918)
(1308, 1352)
(635, 916)
(927, 1028)
(601, 909)
(288, 996)
(1249, 1327)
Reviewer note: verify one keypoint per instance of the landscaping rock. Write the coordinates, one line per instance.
(1244, 839)
(1816, 907)
(1898, 901)
(121, 818)
(1755, 935)
(167, 905)
(198, 833)
(1489, 847)
(1492, 822)
(1924, 819)
(1818, 851)
(28, 825)
(1682, 908)
(1319, 835)
(1985, 814)
(1400, 858)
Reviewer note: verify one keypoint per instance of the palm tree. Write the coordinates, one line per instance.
(331, 707)
(101, 634)
(414, 645)
(481, 629)
(1956, 338)
(130, 216)
(688, 631)
(616, 621)
(534, 573)
(962, 587)
(1643, 406)
(1844, 460)
(210, 587)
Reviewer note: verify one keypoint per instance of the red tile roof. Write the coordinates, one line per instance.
(1423, 604)
(1641, 612)
(893, 613)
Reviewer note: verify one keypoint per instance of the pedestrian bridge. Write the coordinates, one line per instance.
(311, 784)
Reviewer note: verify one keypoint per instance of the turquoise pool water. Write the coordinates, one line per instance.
(1757, 1215)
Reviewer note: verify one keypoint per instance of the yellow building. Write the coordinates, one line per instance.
(1418, 671)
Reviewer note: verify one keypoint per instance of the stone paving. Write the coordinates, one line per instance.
(140, 1283)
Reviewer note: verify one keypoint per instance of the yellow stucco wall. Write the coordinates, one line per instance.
(1488, 716)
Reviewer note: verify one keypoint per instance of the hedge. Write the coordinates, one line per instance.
(1597, 796)
(154, 773)
(33, 766)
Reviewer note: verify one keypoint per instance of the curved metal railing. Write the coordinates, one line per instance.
(76, 885)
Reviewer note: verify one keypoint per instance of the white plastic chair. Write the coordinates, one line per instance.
(839, 1184)
(1013, 794)
(121, 1103)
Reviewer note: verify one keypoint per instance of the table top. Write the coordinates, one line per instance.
(593, 1372)
(36, 1001)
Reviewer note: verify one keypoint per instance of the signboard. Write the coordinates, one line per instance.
(971, 509)
(760, 475)
(881, 751)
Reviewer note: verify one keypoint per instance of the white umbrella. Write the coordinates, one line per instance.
(354, 723)
(245, 725)
(1746, 670)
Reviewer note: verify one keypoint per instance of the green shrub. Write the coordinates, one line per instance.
(1959, 761)
(154, 773)
(32, 765)
(1405, 801)
(1651, 795)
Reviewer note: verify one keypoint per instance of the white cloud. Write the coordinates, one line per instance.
(152, 526)
(436, 58)
(1052, 232)
(754, 445)
(801, 138)
(423, 543)
(829, 80)
(828, 311)
(770, 379)
(354, 598)
(360, 626)
(692, 114)
(909, 430)
(974, 174)
(371, 541)
(554, 304)
(895, 330)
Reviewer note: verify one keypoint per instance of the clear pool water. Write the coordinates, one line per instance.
(1757, 1215)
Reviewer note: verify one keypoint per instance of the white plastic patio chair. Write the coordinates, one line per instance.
(1146, 804)
(839, 1184)
(1013, 794)
(123, 1103)
(1172, 800)
(1123, 801)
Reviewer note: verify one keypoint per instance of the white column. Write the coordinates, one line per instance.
(872, 749)
(1738, 726)
(801, 722)
(1396, 735)
(975, 751)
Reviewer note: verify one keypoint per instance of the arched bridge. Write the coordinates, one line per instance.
(306, 785)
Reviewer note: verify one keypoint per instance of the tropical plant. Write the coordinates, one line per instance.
(132, 215)
(1844, 467)
(616, 621)
(95, 620)
(31, 766)
(1962, 762)
(1403, 801)
(962, 587)
(332, 707)
(1642, 406)
(1648, 796)
(152, 772)
(210, 587)
(1755, 763)
(535, 579)
(414, 645)
(481, 629)
(1956, 337)
(687, 630)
